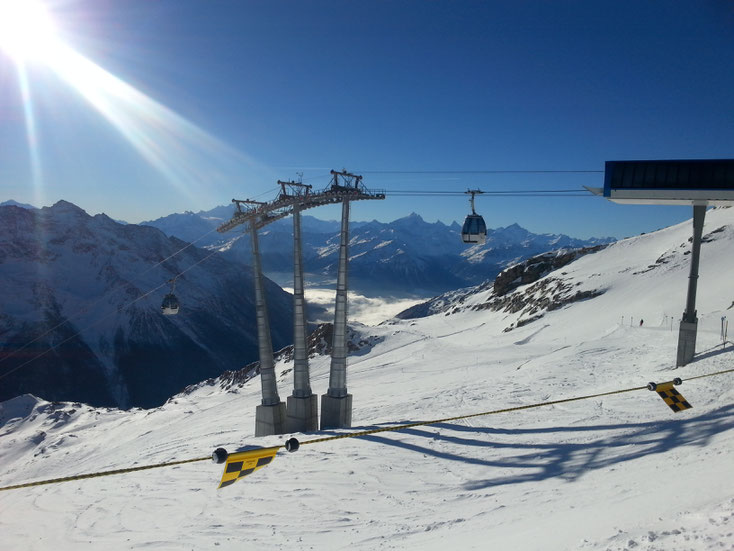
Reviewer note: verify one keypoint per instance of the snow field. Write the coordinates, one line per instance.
(615, 472)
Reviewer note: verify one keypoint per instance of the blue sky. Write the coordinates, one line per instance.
(258, 91)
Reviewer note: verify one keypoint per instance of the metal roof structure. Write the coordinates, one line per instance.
(700, 183)
(706, 182)
(265, 213)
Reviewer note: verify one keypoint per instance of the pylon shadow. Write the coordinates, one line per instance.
(555, 455)
(715, 351)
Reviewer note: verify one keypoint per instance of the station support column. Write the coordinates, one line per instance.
(336, 404)
(303, 403)
(689, 322)
(270, 416)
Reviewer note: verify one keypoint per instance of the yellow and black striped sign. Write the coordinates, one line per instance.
(241, 464)
(672, 397)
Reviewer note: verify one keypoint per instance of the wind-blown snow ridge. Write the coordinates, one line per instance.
(617, 472)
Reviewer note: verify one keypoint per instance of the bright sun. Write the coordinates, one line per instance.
(26, 30)
(174, 146)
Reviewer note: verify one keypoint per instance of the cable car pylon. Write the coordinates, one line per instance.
(270, 415)
(336, 405)
(302, 406)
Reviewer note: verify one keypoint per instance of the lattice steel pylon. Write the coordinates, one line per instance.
(272, 416)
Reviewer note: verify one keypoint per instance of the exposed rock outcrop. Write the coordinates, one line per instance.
(541, 294)
(536, 267)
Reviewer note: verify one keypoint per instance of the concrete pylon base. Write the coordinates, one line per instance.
(686, 342)
(270, 419)
(303, 413)
(336, 413)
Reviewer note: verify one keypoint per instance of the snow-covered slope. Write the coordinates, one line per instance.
(614, 472)
(77, 322)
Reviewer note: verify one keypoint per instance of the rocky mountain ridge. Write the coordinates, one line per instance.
(544, 295)
(80, 316)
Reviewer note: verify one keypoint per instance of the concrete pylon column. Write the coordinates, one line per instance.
(303, 403)
(336, 404)
(270, 416)
(689, 322)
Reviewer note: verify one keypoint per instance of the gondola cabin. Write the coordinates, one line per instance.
(474, 230)
(169, 306)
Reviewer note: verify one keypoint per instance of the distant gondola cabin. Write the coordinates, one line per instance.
(170, 306)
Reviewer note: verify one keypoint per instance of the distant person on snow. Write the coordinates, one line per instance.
(641, 321)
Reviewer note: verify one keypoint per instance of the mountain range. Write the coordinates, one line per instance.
(80, 316)
(406, 257)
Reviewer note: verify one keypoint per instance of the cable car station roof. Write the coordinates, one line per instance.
(682, 182)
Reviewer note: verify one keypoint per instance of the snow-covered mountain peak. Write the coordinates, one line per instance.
(65, 207)
(14, 203)
(432, 256)
(410, 222)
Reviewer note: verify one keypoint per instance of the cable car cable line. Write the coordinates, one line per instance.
(170, 306)
(482, 192)
(100, 320)
(481, 171)
(496, 193)
(85, 309)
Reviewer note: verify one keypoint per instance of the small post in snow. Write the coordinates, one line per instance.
(723, 329)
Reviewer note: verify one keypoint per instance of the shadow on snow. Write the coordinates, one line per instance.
(715, 351)
(607, 445)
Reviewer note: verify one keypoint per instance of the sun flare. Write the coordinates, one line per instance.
(188, 157)
(27, 31)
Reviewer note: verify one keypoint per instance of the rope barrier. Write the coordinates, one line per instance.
(356, 434)
(709, 375)
(458, 417)
(105, 473)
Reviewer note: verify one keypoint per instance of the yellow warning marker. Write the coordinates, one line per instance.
(239, 464)
(670, 395)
